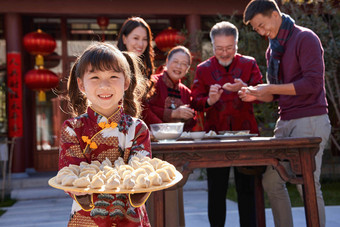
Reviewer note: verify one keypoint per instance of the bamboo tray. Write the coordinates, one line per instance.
(178, 176)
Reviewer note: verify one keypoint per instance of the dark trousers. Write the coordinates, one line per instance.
(218, 179)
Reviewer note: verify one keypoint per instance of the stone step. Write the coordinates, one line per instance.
(37, 193)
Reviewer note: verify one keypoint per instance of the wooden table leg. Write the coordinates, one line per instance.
(309, 194)
(159, 208)
(259, 198)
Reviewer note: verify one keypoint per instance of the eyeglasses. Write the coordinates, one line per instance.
(181, 64)
(226, 49)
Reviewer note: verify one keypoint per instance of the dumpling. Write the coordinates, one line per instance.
(134, 158)
(135, 164)
(139, 171)
(155, 162)
(111, 173)
(89, 171)
(107, 169)
(64, 172)
(68, 180)
(112, 183)
(89, 168)
(106, 162)
(83, 165)
(123, 168)
(94, 166)
(96, 162)
(148, 168)
(126, 172)
(129, 182)
(101, 175)
(119, 162)
(155, 179)
(164, 175)
(142, 181)
(74, 168)
(170, 170)
(82, 182)
(97, 182)
(144, 159)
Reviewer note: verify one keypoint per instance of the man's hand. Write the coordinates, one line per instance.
(245, 96)
(183, 112)
(235, 87)
(261, 92)
(215, 93)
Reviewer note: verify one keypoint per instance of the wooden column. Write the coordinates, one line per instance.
(13, 36)
(193, 24)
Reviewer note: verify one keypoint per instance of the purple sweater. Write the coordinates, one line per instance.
(303, 65)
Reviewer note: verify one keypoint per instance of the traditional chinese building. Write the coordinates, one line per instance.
(73, 24)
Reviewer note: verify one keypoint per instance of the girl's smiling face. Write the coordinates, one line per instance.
(104, 89)
(178, 66)
(136, 41)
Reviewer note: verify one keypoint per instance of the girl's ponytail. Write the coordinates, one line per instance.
(77, 100)
(132, 101)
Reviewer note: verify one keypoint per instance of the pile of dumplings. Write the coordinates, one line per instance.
(140, 172)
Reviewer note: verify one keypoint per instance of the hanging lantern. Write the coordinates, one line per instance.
(168, 39)
(41, 80)
(39, 43)
(103, 22)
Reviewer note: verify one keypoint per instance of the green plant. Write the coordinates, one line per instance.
(6, 203)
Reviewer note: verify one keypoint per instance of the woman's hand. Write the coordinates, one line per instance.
(183, 112)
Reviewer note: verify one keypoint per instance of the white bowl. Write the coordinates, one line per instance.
(167, 131)
(197, 135)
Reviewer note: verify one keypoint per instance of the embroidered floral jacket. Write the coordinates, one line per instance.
(92, 136)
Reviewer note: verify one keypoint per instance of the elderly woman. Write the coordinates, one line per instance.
(170, 103)
(171, 100)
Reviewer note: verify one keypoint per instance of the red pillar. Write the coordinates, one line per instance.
(193, 24)
(13, 35)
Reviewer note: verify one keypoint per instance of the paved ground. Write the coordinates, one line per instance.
(54, 212)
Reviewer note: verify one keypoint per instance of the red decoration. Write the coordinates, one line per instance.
(39, 42)
(103, 22)
(14, 95)
(168, 39)
(41, 79)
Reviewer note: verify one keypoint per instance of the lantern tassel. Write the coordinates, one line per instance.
(39, 60)
(42, 96)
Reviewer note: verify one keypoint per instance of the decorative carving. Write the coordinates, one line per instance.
(232, 155)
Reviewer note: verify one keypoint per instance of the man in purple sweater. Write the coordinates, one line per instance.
(295, 77)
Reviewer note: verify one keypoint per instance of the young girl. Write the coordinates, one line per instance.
(97, 94)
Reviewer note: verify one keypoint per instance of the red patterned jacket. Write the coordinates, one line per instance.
(229, 112)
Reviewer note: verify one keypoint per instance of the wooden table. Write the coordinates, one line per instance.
(256, 151)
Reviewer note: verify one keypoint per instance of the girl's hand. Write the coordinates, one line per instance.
(183, 112)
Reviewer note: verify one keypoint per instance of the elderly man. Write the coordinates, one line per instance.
(214, 92)
(295, 76)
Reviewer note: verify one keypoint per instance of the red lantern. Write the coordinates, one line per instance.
(168, 39)
(39, 43)
(41, 80)
(103, 22)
